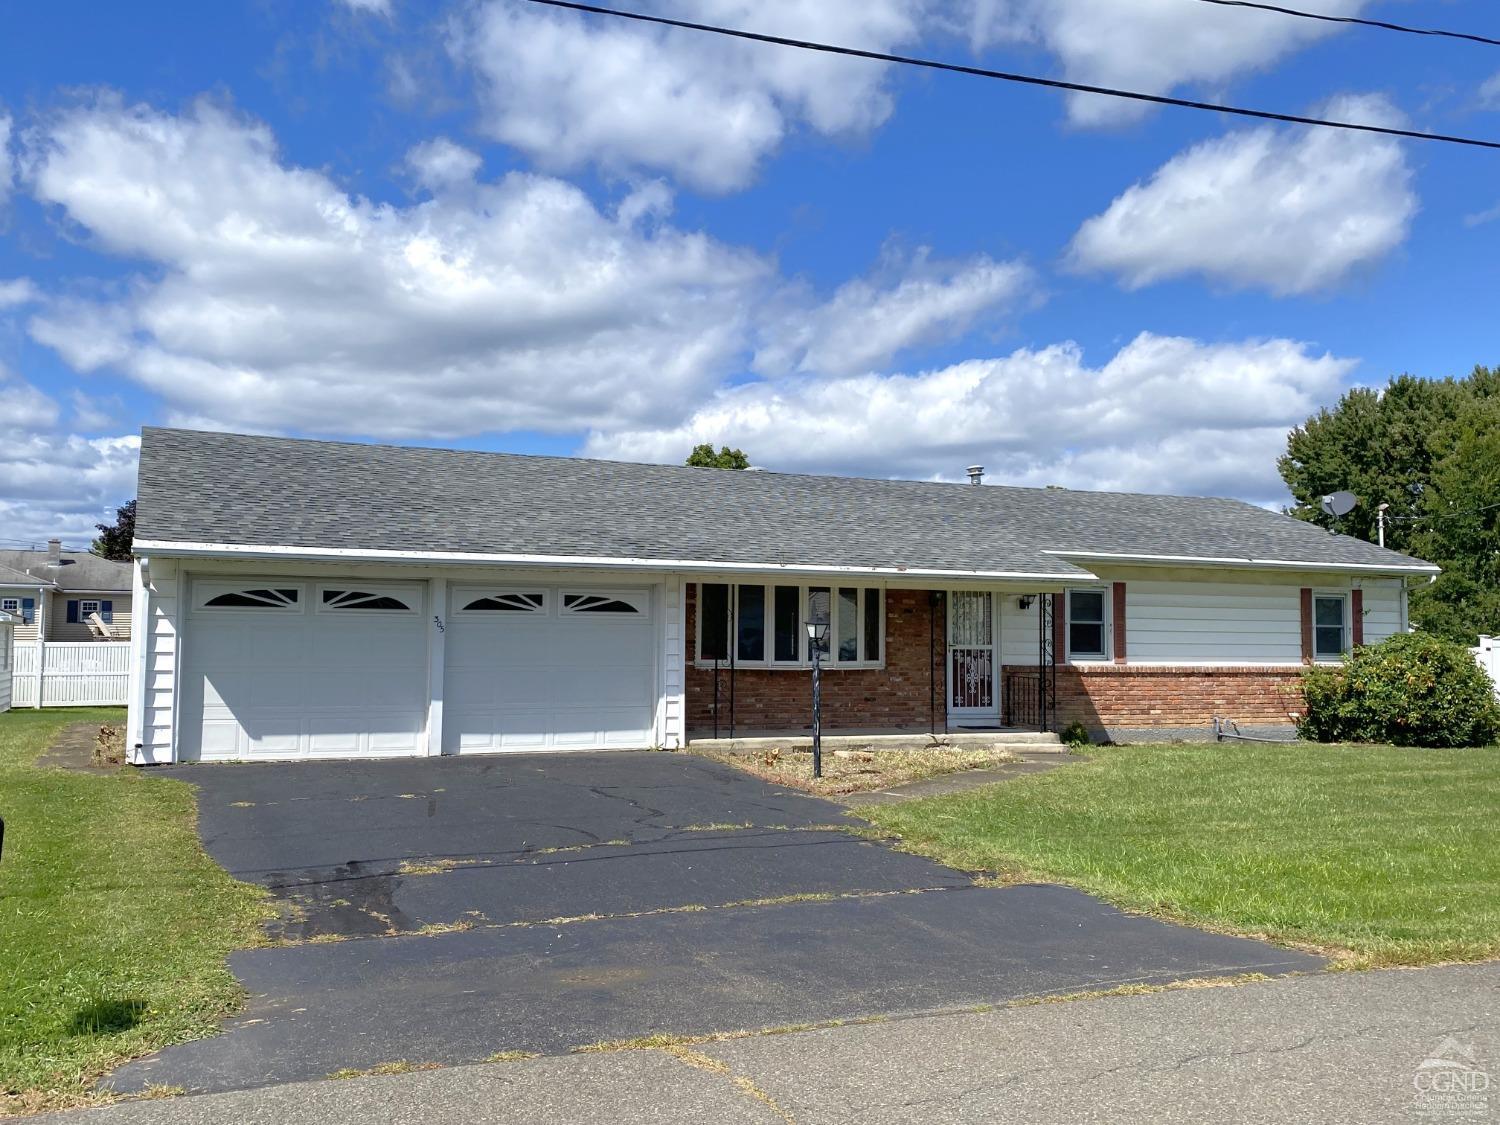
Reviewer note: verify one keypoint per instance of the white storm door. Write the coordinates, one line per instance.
(973, 695)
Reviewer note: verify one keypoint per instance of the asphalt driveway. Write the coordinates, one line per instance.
(445, 910)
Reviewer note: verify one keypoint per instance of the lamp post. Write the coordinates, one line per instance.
(817, 637)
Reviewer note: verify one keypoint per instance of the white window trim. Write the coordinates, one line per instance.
(411, 596)
(10, 605)
(804, 655)
(1346, 641)
(464, 595)
(83, 607)
(640, 599)
(205, 591)
(1106, 633)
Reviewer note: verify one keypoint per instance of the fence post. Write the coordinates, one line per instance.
(41, 671)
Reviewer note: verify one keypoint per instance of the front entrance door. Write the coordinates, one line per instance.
(972, 696)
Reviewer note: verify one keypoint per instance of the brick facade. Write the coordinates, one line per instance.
(910, 691)
(906, 693)
(1118, 696)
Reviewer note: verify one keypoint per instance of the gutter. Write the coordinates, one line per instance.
(166, 550)
(1392, 570)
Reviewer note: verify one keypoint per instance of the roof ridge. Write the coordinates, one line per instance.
(1047, 489)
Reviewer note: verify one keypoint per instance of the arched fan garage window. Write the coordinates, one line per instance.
(509, 601)
(598, 604)
(362, 599)
(282, 598)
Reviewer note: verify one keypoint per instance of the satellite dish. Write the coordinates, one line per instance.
(1339, 504)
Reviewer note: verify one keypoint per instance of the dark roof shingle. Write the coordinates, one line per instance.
(234, 489)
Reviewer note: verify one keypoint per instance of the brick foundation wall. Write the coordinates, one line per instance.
(902, 694)
(1113, 695)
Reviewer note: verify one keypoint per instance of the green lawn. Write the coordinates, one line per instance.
(114, 924)
(1382, 856)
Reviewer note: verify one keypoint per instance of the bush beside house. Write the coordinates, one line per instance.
(1410, 690)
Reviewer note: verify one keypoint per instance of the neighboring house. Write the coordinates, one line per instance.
(317, 599)
(56, 593)
(8, 623)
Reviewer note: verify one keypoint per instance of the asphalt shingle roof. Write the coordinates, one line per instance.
(79, 570)
(261, 491)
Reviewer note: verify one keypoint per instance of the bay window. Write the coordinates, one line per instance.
(766, 624)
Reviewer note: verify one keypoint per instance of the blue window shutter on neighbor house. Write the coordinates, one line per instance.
(107, 612)
(28, 610)
(72, 612)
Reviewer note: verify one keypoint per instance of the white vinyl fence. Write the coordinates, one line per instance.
(1488, 655)
(70, 673)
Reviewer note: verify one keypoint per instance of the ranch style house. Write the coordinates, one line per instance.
(309, 599)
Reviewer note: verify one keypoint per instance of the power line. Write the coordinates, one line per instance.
(1443, 515)
(1007, 76)
(1383, 25)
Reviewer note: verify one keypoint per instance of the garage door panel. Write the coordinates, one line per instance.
(619, 687)
(278, 682)
(551, 679)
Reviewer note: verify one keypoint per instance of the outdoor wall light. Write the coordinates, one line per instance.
(1026, 601)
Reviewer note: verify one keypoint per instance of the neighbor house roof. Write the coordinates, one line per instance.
(203, 492)
(9, 576)
(78, 570)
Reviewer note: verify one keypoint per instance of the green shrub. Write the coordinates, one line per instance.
(1075, 734)
(1410, 690)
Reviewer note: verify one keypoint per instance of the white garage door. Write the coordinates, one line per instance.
(539, 668)
(278, 668)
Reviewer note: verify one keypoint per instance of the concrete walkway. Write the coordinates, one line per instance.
(1413, 1045)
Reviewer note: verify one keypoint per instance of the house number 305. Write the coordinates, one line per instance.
(438, 621)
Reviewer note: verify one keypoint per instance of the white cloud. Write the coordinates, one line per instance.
(369, 7)
(276, 301)
(1153, 46)
(570, 90)
(17, 291)
(7, 161)
(440, 163)
(868, 321)
(1489, 91)
(1165, 414)
(1290, 210)
(56, 483)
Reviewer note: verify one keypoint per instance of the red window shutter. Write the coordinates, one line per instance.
(1119, 592)
(1357, 616)
(1307, 625)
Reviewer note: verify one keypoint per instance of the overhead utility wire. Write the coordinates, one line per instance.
(1444, 515)
(1006, 76)
(1383, 25)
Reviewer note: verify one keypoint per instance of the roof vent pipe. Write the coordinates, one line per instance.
(976, 474)
(54, 552)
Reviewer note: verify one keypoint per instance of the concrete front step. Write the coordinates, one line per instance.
(1031, 742)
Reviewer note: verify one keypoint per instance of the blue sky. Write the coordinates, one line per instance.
(496, 226)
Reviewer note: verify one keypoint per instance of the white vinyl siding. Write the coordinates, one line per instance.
(7, 641)
(60, 629)
(157, 636)
(1213, 623)
(1382, 610)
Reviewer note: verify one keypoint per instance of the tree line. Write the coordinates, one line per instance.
(1430, 449)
